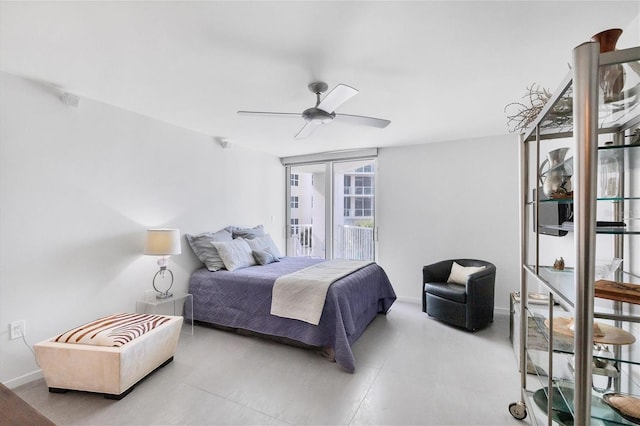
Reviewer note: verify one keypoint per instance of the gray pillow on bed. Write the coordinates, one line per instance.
(235, 254)
(247, 233)
(265, 256)
(203, 248)
(265, 241)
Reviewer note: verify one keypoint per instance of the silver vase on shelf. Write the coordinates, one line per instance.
(555, 175)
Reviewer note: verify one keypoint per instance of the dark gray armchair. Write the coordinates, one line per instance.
(469, 306)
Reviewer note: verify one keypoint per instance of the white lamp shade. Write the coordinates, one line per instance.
(162, 242)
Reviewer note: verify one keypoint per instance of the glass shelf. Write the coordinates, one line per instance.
(616, 113)
(570, 200)
(563, 373)
(616, 147)
(632, 229)
(560, 283)
(563, 409)
(563, 343)
(618, 199)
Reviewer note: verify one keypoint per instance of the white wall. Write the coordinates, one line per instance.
(79, 187)
(449, 200)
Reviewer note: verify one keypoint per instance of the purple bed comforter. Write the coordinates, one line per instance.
(242, 299)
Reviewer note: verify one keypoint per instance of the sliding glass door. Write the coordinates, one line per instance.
(354, 210)
(331, 209)
(306, 233)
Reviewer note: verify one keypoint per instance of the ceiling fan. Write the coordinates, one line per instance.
(324, 111)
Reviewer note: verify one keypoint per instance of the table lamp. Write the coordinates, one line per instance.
(163, 243)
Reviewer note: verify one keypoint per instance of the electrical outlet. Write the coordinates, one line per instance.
(17, 329)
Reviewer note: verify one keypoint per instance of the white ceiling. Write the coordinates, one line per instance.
(438, 70)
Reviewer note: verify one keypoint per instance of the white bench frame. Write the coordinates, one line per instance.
(112, 371)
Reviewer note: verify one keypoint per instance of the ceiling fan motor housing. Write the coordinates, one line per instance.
(317, 115)
(318, 87)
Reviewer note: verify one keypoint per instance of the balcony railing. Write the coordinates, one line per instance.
(301, 240)
(355, 242)
(352, 242)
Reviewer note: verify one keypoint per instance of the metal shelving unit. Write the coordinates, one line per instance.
(557, 369)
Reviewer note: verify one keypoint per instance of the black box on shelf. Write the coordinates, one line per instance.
(552, 215)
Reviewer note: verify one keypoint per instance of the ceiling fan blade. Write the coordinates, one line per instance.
(307, 129)
(363, 121)
(271, 114)
(336, 97)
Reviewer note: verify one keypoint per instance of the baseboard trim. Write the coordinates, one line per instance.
(24, 379)
(497, 309)
(502, 311)
(409, 300)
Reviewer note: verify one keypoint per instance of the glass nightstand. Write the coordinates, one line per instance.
(178, 302)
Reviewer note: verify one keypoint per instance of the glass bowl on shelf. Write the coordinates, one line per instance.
(606, 267)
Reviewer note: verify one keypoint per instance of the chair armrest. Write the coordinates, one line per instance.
(481, 284)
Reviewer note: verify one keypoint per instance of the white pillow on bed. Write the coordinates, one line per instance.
(263, 242)
(235, 254)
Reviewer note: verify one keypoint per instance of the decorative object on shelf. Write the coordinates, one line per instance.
(563, 407)
(560, 115)
(612, 290)
(604, 368)
(560, 411)
(538, 336)
(163, 243)
(609, 172)
(606, 267)
(538, 298)
(535, 298)
(602, 333)
(556, 179)
(602, 355)
(626, 405)
(552, 270)
(558, 265)
(611, 76)
(604, 224)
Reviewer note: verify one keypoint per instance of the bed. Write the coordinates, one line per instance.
(241, 299)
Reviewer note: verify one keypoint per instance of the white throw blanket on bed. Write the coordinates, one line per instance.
(301, 294)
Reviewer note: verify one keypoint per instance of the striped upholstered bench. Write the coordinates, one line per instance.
(109, 355)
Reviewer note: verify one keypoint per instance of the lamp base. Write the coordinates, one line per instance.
(165, 295)
(162, 273)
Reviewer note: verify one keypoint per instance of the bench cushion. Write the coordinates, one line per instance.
(113, 330)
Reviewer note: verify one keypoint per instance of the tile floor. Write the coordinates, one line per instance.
(410, 370)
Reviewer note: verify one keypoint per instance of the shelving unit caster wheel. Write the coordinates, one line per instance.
(518, 410)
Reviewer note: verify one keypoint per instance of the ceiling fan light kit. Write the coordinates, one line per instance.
(318, 116)
(324, 110)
